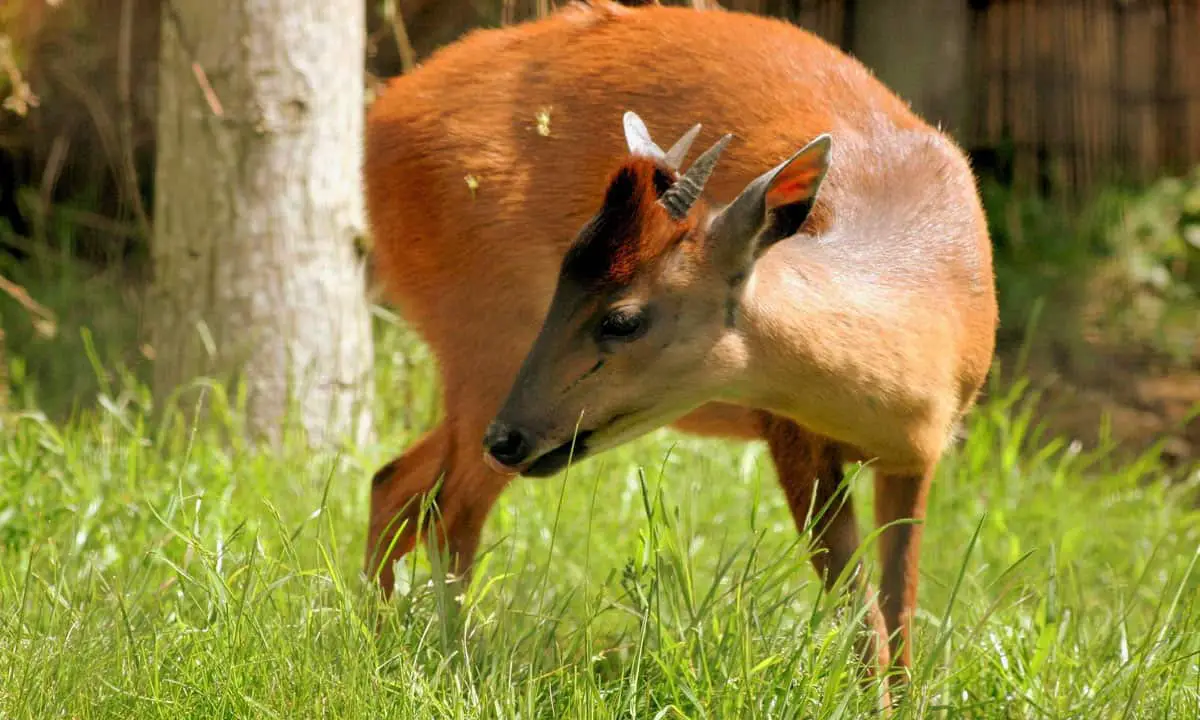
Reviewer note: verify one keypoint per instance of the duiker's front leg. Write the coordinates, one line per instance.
(810, 471)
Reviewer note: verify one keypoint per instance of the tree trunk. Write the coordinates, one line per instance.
(918, 48)
(258, 210)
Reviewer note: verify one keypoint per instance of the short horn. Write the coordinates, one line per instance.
(679, 198)
(679, 150)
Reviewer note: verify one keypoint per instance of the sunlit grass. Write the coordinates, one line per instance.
(154, 571)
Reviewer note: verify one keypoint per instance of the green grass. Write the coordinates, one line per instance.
(153, 571)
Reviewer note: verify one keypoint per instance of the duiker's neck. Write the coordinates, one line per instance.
(812, 330)
(824, 316)
(784, 323)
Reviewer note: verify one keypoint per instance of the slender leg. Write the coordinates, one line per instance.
(810, 472)
(398, 490)
(467, 503)
(900, 497)
(465, 496)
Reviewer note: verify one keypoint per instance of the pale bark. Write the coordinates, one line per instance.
(258, 207)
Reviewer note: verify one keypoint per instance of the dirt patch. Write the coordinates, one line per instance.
(1130, 401)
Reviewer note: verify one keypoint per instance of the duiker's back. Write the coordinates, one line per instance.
(483, 163)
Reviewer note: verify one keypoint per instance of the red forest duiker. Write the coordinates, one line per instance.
(819, 278)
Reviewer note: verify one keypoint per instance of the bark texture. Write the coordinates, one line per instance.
(258, 207)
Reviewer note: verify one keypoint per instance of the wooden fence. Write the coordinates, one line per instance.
(1061, 95)
(1087, 91)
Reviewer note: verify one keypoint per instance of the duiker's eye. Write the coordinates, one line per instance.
(623, 325)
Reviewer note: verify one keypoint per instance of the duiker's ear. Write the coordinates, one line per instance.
(772, 207)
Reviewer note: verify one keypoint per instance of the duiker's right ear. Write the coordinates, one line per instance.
(772, 207)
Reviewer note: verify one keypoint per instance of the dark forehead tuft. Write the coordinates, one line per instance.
(630, 228)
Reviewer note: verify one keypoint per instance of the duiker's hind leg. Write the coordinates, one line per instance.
(810, 471)
(900, 499)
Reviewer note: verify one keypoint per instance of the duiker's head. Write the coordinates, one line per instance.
(646, 295)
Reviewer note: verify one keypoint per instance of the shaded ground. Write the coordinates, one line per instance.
(1128, 399)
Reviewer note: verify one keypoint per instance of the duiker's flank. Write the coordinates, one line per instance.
(819, 278)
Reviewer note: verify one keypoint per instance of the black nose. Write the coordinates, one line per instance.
(508, 445)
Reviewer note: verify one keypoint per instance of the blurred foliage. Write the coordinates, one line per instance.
(89, 322)
(15, 94)
(1160, 238)
(1154, 278)
(15, 15)
(1122, 268)
(85, 152)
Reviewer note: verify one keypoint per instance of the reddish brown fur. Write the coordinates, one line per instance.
(473, 270)
(630, 230)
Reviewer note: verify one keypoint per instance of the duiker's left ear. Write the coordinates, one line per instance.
(772, 207)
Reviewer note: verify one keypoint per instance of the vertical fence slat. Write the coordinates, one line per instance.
(1189, 50)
